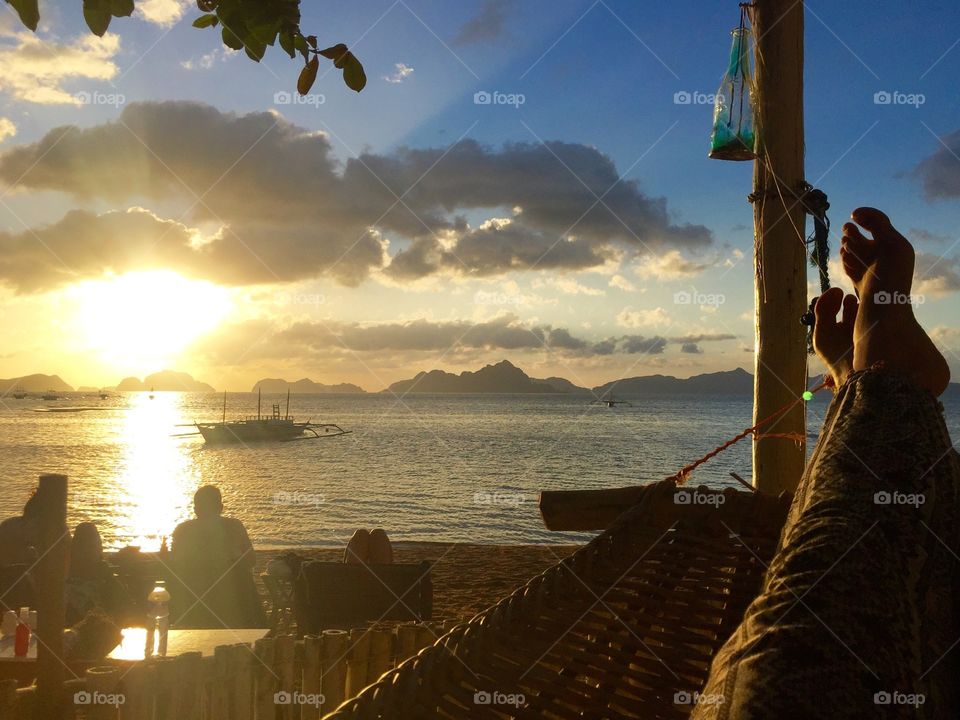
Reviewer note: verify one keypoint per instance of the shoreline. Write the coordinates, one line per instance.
(467, 577)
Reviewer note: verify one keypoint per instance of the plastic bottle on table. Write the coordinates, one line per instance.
(159, 620)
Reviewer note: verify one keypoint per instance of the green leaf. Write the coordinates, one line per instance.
(287, 43)
(205, 21)
(337, 53)
(28, 11)
(308, 76)
(231, 40)
(121, 8)
(300, 43)
(97, 15)
(353, 74)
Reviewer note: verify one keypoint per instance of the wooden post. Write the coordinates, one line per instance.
(780, 256)
(51, 577)
(333, 662)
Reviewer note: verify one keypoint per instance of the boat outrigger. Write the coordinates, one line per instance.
(264, 428)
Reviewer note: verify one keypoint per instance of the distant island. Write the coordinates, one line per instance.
(304, 386)
(34, 383)
(504, 377)
(727, 382)
(164, 381)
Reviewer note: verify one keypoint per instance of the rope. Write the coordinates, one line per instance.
(681, 477)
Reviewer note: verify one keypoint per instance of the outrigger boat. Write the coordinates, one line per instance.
(18, 392)
(263, 428)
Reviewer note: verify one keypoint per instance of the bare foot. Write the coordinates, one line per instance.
(886, 330)
(833, 340)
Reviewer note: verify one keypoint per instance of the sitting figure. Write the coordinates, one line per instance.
(369, 548)
(212, 562)
(91, 584)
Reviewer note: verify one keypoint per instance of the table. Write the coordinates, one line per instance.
(6, 649)
(131, 648)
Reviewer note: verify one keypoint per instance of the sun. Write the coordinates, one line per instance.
(144, 320)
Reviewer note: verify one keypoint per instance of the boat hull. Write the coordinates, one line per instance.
(243, 431)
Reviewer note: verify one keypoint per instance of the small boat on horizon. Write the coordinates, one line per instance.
(51, 395)
(262, 428)
(610, 401)
(18, 392)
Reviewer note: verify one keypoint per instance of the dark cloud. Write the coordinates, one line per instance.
(940, 172)
(691, 348)
(488, 25)
(287, 210)
(259, 340)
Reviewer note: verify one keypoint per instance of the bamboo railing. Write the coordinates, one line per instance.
(277, 678)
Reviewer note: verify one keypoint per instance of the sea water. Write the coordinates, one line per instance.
(425, 467)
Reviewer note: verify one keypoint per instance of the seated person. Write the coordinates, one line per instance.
(19, 540)
(20, 535)
(212, 562)
(369, 548)
(91, 584)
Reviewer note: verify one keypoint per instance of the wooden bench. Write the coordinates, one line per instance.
(333, 595)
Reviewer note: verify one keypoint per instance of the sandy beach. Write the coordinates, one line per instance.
(466, 578)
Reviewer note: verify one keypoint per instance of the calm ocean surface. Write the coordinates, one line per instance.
(432, 467)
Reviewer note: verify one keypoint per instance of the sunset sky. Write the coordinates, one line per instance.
(164, 204)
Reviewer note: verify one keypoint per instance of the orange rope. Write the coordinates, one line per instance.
(684, 473)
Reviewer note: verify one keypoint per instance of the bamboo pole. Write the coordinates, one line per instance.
(358, 660)
(51, 574)
(780, 256)
(101, 686)
(333, 649)
(310, 678)
(382, 641)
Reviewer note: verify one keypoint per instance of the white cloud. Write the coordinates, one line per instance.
(630, 318)
(162, 12)
(619, 281)
(7, 129)
(207, 61)
(670, 265)
(401, 73)
(568, 286)
(34, 69)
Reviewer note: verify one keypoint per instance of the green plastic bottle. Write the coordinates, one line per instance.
(733, 136)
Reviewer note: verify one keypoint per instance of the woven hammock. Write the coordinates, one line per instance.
(625, 627)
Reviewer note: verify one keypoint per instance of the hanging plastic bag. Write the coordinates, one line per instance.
(733, 137)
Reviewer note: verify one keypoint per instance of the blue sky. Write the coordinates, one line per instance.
(599, 76)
